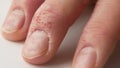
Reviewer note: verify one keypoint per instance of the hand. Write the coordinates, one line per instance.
(45, 24)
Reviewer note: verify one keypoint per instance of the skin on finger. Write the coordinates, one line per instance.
(48, 28)
(17, 22)
(100, 35)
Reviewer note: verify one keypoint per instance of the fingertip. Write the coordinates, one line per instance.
(19, 17)
(86, 58)
(37, 48)
(17, 36)
(38, 60)
(13, 24)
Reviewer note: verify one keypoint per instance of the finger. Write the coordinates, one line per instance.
(99, 36)
(49, 27)
(18, 19)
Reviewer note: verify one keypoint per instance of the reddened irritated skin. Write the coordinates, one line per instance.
(54, 21)
(48, 24)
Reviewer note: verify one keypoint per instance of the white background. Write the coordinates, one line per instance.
(10, 52)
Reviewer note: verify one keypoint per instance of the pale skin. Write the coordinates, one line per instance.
(44, 25)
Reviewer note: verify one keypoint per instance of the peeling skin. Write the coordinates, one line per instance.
(46, 18)
(49, 18)
(43, 23)
(54, 18)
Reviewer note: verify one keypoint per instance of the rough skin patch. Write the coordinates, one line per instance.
(45, 18)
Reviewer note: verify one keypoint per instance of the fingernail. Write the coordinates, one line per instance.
(14, 21)
(36, 45)
(86, 58)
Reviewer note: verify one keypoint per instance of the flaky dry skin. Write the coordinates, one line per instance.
(55, 21)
